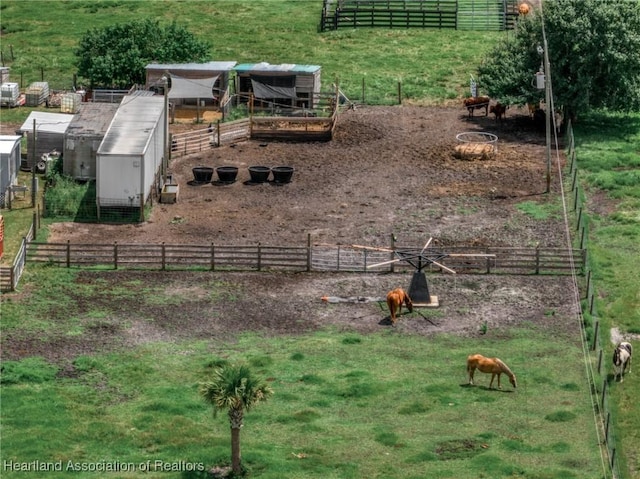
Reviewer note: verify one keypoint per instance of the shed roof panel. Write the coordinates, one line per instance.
(284, 67)
(132, 126)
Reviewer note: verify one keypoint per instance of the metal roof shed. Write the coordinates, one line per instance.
(287, 84)
(83, 137)
(132, 154)
(190, 82)
(50, 130)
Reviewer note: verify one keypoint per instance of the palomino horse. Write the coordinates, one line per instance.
(622, 359)
(489, 365)
(395, 299)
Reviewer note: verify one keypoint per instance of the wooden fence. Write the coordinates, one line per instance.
(449, 14)
(10, 276)
(553, 261)
(257, 127)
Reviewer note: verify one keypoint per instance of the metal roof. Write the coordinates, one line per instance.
(205, 67)
(132, 126)
(46, 122)
(92, 118)
(8, 143)
(285, 67)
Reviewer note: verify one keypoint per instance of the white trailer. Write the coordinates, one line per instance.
(132, 156)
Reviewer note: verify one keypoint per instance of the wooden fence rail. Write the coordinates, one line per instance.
(556, 261)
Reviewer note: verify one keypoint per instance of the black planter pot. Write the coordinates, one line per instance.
(282, 174)
(202, 174)
(227, 174)
(259, 174)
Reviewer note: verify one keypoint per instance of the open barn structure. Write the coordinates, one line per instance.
(492, 15)
(276, 87)
(194, 87)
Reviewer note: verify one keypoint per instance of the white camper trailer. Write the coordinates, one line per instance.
(131, 157)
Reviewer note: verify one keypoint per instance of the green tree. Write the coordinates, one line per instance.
(234, 388)
(593, 50)
(116, 56)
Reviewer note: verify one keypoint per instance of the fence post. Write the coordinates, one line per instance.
(35, 225)
(392, 267)
(259, 258)
(591, 302)
(599, 368)
(604, 391)
(583, 237)
(537, 260)
(163, 257)
(308, 252)
(588, 283)
(338, 261)
(595, 335)
(115, 255)
(399, 93)
(68, 253)
(579, 215)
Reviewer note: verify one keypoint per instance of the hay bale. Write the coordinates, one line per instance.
(474, 151)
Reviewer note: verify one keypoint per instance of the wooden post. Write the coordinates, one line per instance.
(399, 93)
(163, 257)
(115, 255)
(604, 391)
(537, 259)
(599, 368)
(583, 237)
(575, 199)
(591, 300)
(259, 258)
(213, 257)
(308, 252)
(35, 225)
(68, 253)
(392, 267)
(588, 283)
(595, 335)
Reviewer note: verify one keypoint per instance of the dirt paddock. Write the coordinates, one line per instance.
(388, 171)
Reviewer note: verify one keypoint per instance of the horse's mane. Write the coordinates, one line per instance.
(506, 369)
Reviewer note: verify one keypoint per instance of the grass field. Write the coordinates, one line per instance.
(342, 408)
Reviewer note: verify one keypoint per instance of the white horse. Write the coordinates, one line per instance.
(622, 359)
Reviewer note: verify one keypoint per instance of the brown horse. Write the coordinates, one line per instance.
(489, 365)
(395, 299)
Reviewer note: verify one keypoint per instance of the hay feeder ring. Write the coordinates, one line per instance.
(476, 145)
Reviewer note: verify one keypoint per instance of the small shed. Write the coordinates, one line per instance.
(206, 84)
(50, 131)
(9, 164)
(286, 85)
(83, 137)
(132, 156)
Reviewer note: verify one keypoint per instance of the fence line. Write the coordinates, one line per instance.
(259, 257)
(592, 331)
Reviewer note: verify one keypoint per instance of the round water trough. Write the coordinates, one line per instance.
(202, 174)
(227, 174)
(282, 174)
(259, 174)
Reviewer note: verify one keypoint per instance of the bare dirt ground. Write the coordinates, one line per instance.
(389, 170)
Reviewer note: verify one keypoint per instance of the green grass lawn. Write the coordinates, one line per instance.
(345, 406)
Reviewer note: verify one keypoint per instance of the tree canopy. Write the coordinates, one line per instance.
(593, 53)
(116, 56)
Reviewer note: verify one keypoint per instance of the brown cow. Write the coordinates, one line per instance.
(475, 103)
(499, 110)
(395, 298)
